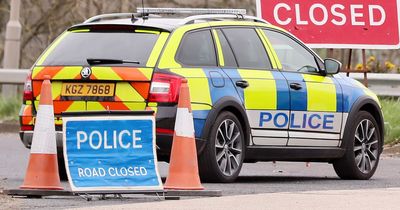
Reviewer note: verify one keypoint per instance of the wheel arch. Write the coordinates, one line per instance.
(232, 105)
(370, 105)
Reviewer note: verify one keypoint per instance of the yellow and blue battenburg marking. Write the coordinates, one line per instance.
(298, 99)
(199, 93)
(351, 91)
(257, 96)
(310, 110)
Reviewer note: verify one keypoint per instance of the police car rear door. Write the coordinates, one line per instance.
(262, 89)
(315, 100)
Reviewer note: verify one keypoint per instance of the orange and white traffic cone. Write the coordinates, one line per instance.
(42, 172)
(183, 169)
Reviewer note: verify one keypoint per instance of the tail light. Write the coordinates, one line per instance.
(164, 131)
(165, 88)
(28, 92)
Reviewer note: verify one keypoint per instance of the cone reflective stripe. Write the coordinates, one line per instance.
(42, 133)
(184, 117)
(184, 126)
(183, 169)
(42, 172)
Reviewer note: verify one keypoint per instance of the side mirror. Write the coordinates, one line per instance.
(332, 66)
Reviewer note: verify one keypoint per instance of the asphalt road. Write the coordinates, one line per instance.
(255, 178)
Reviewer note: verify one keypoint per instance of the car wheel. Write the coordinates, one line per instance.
(223, 156)
(363, 142)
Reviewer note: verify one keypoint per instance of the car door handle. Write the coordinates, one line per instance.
(295, 86)
(242, 83)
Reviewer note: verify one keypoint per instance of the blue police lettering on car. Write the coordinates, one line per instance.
(313, 121)
(279, 116)
(264, 117)
(310, 121)
(328, 121)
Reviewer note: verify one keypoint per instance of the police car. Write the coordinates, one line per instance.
(257, 92)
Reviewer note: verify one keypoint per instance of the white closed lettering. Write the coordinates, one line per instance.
(337, 14)
(356, 15)
(324, 11)
(276, 15)
(382, 12)
(298, 16)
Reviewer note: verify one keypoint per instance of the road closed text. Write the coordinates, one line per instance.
(112, 171)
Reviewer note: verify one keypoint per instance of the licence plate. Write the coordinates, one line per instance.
(87, 89)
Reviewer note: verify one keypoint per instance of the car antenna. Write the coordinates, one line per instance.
(133, 18)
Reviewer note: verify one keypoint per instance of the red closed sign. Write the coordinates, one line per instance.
(363, 24)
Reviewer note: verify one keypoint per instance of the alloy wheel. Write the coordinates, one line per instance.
(228, 147)
(366, 146)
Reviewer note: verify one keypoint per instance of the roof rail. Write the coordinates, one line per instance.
(198, 11)
(107, 16)
(191, 19)
(116, 16)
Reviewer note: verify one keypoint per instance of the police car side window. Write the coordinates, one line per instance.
(248, 48)
(197, 49)
(291, 54)
(229, 58)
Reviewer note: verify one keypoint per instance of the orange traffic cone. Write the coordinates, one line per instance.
(42, 172)
(183, 170)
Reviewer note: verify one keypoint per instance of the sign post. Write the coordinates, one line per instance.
(111, 152)
(12, 46)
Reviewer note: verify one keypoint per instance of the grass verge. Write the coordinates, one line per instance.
(9, 109)
(391, 115)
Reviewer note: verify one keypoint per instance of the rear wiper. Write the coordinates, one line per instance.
(98, 61)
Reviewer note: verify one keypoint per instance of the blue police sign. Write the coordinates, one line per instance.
(105, 153)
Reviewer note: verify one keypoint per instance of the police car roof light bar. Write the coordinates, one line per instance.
(197, 11)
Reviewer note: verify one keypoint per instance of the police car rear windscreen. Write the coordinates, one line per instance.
(75, 47)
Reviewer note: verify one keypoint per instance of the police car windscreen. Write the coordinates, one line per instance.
(75, 47)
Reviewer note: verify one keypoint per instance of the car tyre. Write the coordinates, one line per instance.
(363, 148)
(222, 158)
